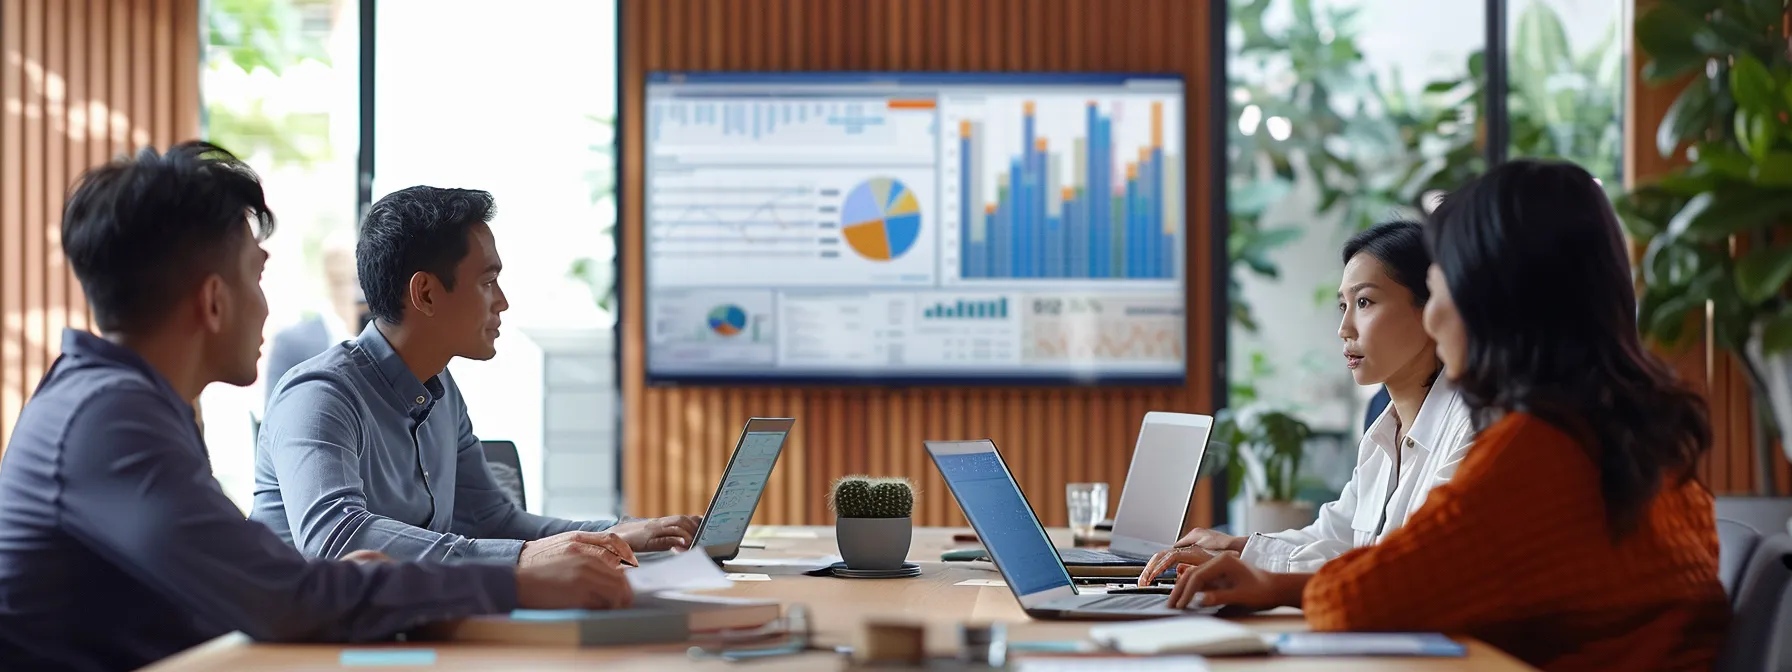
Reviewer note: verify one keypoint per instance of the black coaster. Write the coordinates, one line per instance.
(908, 570)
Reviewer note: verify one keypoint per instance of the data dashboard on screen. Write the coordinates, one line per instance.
(888, 227)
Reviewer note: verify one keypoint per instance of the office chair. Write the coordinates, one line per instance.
(1377, 404)
(1736, 543)
(1758, 619)
(506, 468)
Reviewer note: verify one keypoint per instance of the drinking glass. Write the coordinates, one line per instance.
(1088, 505)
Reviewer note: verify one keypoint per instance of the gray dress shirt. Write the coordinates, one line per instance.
(355, 453)
(118, 548)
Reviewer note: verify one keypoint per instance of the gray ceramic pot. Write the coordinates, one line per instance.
(873, 543)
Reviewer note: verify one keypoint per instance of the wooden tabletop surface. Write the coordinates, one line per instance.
(837, 608)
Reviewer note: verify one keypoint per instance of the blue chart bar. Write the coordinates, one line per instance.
(1096, 227)
(963, 309)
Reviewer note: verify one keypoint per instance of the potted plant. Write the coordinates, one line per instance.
(872, 520)
(1264, 447)
(1708, 228)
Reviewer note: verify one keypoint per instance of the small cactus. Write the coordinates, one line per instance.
(867, 497)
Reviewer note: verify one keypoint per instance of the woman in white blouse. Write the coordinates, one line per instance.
(1382, 299)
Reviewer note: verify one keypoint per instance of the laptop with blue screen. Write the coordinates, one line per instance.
(1023, 553)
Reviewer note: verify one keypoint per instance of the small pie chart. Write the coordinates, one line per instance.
(881, 219)
(727, 320)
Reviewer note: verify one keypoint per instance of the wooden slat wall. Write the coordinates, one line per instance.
(676, 440)
(82, 81)
(1730, 468)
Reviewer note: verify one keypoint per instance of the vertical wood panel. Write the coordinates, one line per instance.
(81, 81)
(12, 213)
(27, 324)
(1050, 436)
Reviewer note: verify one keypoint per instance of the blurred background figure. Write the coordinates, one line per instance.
(342, 315)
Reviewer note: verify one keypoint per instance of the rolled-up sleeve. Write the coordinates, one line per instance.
(311, 437)
(139, 493)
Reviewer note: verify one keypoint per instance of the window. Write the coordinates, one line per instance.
(519, 99)
(278, 80)
(1566, 69)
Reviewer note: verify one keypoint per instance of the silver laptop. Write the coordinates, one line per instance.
(743, 483)
(1165, 463)
(986, 491)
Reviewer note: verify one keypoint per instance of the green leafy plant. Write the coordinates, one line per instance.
(1734, 120)
(1266, 446)
(600, 178)
(867, 497)
(253, 35)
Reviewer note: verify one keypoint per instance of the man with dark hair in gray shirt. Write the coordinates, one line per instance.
(117, 547)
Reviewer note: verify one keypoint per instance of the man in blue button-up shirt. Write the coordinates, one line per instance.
(117, 547)
(368, 446)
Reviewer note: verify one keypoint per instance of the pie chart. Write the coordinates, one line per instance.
(881, 219)
(727, 320)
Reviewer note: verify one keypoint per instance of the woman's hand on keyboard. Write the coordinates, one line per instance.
(1228, 580)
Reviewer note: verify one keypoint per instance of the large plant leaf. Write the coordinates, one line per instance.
(1775, 170)
(1776, 331)
(1687, 119)
(1646, 211)
(1666, 35)
(1762, 273)
(1752, 86)
(1665, 322)
(1731, 209)
(1539, 53)
(1756, 133)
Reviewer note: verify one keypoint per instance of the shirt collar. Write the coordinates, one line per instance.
(1423, 432)
(87, 345)
(402, 386)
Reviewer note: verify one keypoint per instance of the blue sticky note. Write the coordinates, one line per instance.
(549, 614)
(387, 657)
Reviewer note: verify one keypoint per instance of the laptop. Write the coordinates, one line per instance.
(1153, 502)
(986, 491)
(743, 483)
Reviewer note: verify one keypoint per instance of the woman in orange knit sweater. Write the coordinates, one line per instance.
(1574, 535)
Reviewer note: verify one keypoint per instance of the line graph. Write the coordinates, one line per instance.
(749, 216)
(749, 226)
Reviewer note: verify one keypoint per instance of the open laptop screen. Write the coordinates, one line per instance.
(743, 483)
(987, 493)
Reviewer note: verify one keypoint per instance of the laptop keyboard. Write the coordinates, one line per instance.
(1127, 602)
(1085, 556)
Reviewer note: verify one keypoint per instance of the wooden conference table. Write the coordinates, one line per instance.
(837, 607)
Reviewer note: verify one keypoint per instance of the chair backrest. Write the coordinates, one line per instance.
(1736, 543)
(1760, 616)
(506, 468)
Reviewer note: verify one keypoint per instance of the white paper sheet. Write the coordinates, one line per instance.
(683, 571)
(984, 583)
(749, 577)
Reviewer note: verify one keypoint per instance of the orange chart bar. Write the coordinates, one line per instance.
(911, 104)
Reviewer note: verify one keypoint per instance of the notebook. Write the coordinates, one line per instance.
(659, 618)
(1209, 636)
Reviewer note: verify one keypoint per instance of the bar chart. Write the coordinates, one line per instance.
(961, 309)
(1086, 206)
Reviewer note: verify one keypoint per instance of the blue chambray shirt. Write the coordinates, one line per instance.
(355, 454)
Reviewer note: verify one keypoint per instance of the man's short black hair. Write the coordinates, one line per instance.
(142, 232)
(420, 229)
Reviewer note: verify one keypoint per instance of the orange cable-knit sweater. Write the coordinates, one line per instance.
(1515, 551)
